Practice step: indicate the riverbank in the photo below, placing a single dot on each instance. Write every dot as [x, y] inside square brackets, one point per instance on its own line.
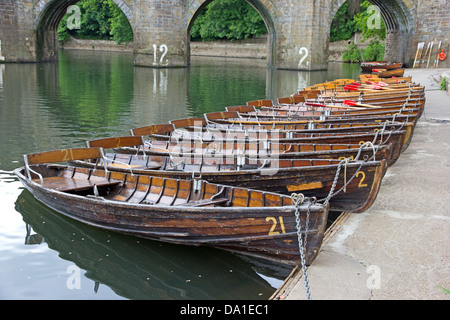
[398, 249]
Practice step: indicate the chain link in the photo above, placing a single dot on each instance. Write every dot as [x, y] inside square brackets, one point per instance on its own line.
[298, 200]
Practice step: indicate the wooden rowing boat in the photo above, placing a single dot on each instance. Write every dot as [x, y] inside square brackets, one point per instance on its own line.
[135, 144]
[282, 141]
[144, 270]
[369, 65]
[390, 73]
[184, 211]
[318, 114]
[283, 175]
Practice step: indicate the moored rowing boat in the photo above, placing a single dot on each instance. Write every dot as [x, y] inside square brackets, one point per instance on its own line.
[190, 212]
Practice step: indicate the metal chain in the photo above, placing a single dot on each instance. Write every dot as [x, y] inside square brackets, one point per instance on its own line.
[297, 200]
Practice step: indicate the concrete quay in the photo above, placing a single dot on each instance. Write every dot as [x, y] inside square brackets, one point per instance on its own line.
[398, 249]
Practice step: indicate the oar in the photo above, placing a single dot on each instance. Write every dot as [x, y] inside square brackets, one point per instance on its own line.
[429, 54]
[354, 103]
[329, 106]
[425, 56]
[436, 62]
[356, 88]
[375, 88]
[418, 54]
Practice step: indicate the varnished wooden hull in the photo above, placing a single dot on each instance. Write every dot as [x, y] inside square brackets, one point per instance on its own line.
[368, 66]
[390, 73]
[396, 139]
[267, 231]
[311, 177]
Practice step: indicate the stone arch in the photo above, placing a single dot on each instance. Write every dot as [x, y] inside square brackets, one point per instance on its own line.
[46, 17]
[399, 17]
[266, 8]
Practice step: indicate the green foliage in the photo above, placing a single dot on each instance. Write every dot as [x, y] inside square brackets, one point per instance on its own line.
[227, 19]
[100, 20]
[120, 26]
[342, 27]
[444, 83]
[352, 54]
[442, 288]
[374, 52]
[63, 32]
[367, 21]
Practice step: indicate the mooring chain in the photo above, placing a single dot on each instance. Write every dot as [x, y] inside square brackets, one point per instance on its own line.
[331, 193]
[298, 199]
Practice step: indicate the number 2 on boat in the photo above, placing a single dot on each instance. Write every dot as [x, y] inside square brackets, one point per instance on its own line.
[361, 184]
[274, 225]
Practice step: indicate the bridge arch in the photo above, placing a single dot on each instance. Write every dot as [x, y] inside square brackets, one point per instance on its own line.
[266, 9]
[399, 18]
[46, 19]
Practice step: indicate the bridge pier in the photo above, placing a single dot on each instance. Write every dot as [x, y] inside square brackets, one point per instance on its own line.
[301, 39]
[160, 33]
[17, 37]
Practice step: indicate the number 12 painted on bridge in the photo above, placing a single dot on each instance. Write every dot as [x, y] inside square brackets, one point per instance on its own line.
[162, 48]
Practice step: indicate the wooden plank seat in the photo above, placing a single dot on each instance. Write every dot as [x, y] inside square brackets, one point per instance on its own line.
[205, 202]
[67, 184]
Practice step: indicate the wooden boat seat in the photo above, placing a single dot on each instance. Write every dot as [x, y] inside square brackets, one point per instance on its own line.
[66, 184]
[205, 202]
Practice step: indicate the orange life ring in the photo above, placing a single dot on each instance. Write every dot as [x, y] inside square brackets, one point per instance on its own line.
[442, 56]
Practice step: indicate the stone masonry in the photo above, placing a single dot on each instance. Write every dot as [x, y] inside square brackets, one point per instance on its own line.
[298, 29]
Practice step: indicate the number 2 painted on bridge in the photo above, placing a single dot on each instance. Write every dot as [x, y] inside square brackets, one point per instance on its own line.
[304, 51]
[162, 48]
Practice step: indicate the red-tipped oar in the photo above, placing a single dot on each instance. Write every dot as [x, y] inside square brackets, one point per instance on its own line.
[356, 88]
[329, 106]
[354, 104]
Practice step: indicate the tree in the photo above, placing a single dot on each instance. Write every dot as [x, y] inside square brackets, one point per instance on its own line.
[228, 19]
[101, 20]
[357, 16]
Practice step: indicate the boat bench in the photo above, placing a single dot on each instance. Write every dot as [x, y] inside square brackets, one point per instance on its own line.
[66, 184]
[205, 202]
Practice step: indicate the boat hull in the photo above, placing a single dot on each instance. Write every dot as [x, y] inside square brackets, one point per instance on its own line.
[264, 232]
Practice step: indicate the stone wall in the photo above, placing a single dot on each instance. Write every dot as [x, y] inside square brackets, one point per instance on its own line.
[250, 48]
[102, 45]
[433, 25]
[16, 36]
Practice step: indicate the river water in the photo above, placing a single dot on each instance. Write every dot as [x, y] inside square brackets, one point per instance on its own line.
[87, 95]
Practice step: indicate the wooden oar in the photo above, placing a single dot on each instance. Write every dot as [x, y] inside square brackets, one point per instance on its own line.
[354, 103]
[436, 62]
[425, 56]
[420, 46]
[329, 106]
[429, 54]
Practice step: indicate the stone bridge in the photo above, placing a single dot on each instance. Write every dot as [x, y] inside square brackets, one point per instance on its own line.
[298, 29]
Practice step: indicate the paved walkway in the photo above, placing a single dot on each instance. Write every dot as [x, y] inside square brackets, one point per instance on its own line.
[399, 249]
